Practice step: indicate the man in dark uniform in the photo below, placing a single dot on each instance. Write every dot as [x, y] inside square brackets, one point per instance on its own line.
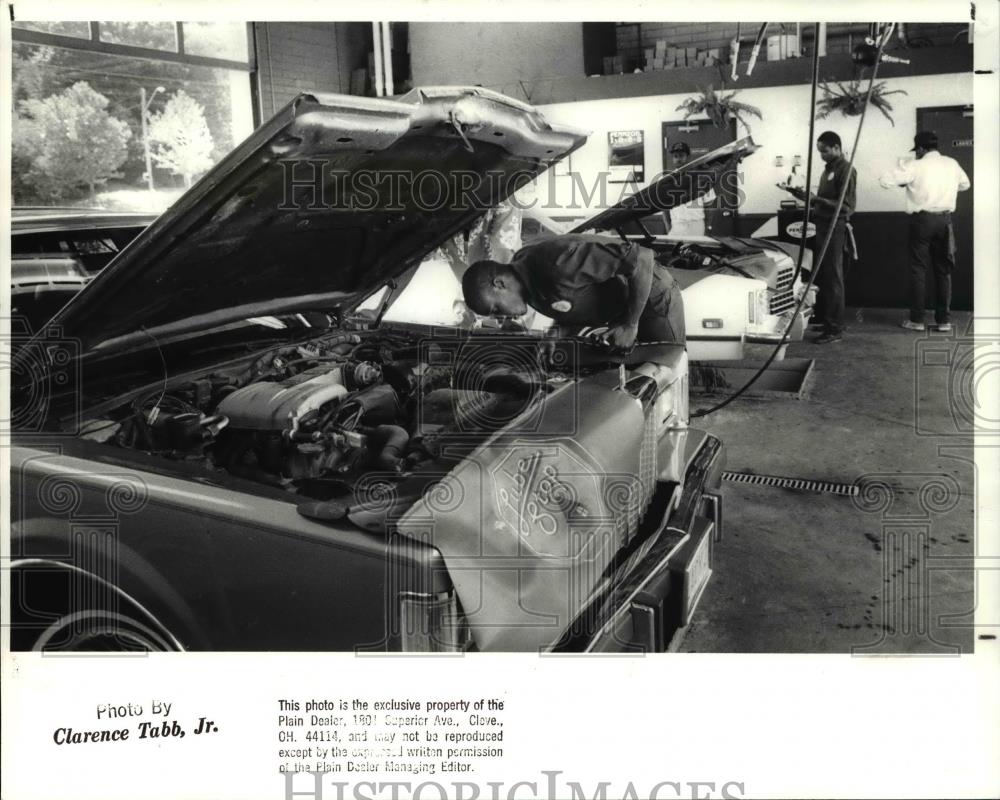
[830, 278]
[583, 280]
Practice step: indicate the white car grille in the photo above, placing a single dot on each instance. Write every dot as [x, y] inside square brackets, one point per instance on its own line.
[641, 491]
[783, 297]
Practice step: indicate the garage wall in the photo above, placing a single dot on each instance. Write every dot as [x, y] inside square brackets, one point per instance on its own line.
[296, 57]
[782, 131]
[840, 36]
[495, 55]
[880, 224]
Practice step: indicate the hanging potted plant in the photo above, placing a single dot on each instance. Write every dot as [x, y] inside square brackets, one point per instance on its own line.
[719, 107]
[849, 99]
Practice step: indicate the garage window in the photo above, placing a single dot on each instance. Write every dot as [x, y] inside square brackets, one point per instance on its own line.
[125, 115]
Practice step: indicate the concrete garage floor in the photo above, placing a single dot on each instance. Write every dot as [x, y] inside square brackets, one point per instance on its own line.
[888, 571]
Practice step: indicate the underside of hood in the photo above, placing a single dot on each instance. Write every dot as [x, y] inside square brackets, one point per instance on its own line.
[712, 171]
[322, 204]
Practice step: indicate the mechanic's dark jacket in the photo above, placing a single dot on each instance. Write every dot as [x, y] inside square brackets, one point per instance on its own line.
[578, 278]
[831, 182]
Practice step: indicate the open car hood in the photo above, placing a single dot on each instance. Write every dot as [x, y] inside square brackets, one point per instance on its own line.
[318, 208]
[674, 188]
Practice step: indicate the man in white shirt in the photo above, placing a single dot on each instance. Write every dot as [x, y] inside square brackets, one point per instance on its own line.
[932, 183]
[687, 219]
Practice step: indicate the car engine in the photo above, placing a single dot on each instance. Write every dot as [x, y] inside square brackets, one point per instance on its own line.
[313, 419]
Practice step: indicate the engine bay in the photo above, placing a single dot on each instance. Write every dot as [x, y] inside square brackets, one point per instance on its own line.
[314, 418]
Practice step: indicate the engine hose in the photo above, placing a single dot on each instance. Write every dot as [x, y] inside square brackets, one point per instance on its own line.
[394, 441]
[818, 261]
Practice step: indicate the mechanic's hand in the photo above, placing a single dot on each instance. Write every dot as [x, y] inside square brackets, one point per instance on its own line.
[547, 347]
[622, 337]
[544, 354]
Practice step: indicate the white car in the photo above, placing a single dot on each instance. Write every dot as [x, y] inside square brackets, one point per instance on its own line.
[736, 290]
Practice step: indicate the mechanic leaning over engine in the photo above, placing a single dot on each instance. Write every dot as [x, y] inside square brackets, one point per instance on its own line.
[583, 280]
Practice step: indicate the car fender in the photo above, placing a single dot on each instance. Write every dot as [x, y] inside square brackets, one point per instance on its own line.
[37, 540]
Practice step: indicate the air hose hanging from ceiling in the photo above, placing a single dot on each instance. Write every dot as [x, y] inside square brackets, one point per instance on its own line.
[818, 261]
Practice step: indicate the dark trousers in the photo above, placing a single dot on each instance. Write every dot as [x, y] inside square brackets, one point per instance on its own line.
[662, 319]
[830, 278]
[932, 244]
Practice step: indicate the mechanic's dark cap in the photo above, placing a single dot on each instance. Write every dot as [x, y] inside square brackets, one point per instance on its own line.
[926, 139]
[680, 147]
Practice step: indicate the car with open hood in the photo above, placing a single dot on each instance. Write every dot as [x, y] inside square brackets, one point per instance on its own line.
[736, 290]
[219, 446]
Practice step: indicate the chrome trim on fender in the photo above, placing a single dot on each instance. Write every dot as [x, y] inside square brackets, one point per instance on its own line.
[164, 630]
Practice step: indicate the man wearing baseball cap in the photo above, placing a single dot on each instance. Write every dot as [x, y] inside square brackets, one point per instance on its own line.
[932, 183]
[687, 219]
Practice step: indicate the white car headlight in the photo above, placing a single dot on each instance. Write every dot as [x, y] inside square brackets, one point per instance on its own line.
[671, 408]
[758, 306]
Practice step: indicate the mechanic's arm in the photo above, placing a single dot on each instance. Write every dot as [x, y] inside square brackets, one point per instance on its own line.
[639, 284]
[825, 202]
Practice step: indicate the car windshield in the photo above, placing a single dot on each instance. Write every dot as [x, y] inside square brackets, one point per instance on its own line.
[432, 292]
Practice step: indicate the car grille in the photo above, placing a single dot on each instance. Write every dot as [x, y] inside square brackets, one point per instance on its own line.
[641, 491]
[783, 297]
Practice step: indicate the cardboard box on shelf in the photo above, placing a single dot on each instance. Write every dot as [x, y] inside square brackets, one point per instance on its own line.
[782, 47]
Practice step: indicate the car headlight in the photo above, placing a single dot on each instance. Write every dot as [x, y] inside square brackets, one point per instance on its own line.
[672, 405]
[670, 409]
[758, 306]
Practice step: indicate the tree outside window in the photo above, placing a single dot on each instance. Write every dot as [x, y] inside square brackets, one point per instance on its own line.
[69, 141]
[180, 139]
[77, 127]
